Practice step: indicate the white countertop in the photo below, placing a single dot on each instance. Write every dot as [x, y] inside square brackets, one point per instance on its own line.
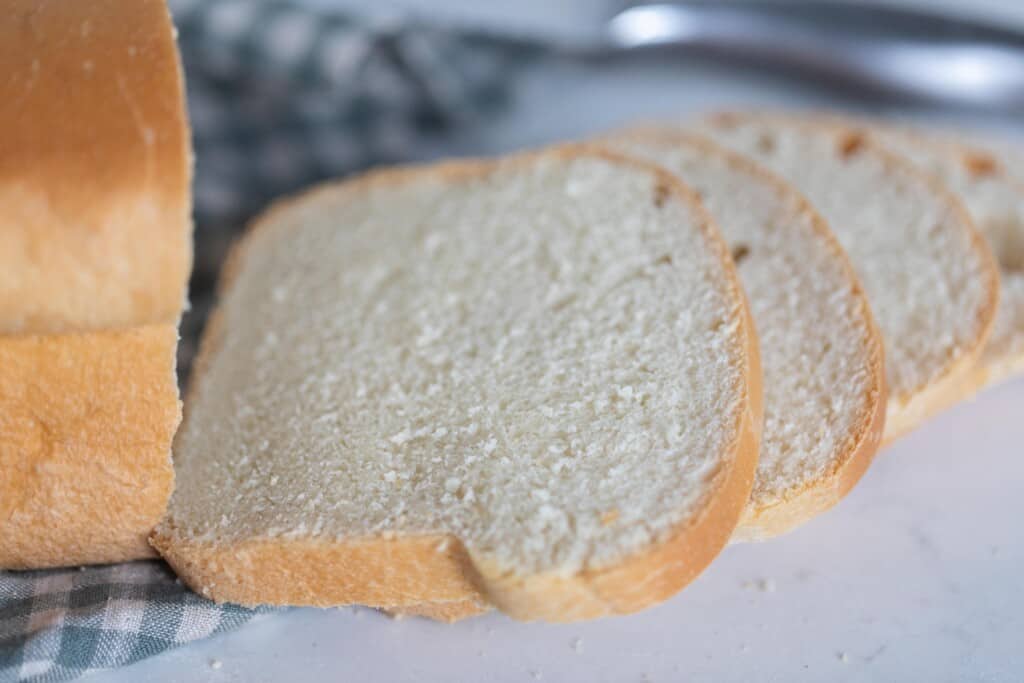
[917, 575]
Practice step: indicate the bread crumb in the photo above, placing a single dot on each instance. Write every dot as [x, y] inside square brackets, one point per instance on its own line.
[609, 516]
[537, 675]
[843, 657]
[766, 585]
[216, 664]
[577, 645]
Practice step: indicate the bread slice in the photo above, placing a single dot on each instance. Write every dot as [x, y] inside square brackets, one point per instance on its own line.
[94, 255]
[929, 275]
[528, 382]
[824, 385]
[995, 200]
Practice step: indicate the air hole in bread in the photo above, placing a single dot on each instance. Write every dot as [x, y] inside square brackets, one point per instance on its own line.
[664, 260]
[766, 143]
[660, 194]
[980, 165]
[851, 145]
[739, 253]
[726, 120]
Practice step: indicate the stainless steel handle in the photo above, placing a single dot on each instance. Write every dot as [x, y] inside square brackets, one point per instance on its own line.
[889, 50]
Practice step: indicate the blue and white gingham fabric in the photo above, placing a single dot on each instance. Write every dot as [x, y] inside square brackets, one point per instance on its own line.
[59, 624]
[279, 97]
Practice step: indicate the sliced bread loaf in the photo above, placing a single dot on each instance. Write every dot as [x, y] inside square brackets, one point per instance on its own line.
[995, 200]
[930, 278]
[95, 246]
[531, 382]
[824, 387]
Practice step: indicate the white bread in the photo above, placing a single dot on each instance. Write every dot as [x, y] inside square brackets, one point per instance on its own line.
[824, 386]
[930, 278]
[995, 200]
[95, 250]
[531, 382]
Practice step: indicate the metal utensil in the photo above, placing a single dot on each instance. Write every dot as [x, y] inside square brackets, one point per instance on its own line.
[888, 51]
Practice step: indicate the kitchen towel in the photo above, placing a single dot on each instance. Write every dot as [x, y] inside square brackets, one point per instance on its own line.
[279, 97]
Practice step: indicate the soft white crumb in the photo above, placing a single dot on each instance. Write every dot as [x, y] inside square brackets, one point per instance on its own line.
[577, 645]
[216, 664]
[766, 585]
[537, 675]
[843, 657]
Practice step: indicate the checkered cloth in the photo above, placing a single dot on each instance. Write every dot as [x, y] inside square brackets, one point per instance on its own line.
[59, 624]
[279, 97]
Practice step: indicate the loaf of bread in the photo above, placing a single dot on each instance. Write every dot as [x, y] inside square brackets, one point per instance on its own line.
[931, 280]
[95, 249]
[531, 383]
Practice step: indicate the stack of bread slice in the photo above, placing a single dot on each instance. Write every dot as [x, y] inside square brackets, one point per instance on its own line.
[556, 383]
[442, 389]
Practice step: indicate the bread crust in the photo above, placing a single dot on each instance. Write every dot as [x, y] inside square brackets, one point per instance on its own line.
[402, 573]
[95, 167]
[448, 612]
[86, 423]
[950, 384]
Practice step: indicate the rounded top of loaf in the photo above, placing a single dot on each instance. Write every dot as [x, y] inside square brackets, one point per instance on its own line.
[94, 169]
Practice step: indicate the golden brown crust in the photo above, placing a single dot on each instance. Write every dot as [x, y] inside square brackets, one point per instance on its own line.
[94, 173]
[404, 572]
[951, 384]
[86, 423]
[448, 612]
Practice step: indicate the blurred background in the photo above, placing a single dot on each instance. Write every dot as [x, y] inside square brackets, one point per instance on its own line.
[283, 94]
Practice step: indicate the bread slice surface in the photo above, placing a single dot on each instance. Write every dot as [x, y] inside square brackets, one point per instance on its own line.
[821, 352]
[931, 280]
[95, 167]
[995, 200]
[530, 381]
